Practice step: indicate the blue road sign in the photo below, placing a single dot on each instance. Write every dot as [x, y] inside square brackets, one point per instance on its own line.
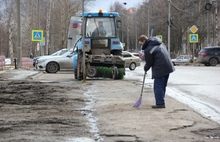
[193, 38]
[37, 35]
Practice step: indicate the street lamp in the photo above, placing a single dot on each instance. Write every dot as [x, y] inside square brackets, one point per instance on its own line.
[19, 54]
[169, 24]
[208, 7]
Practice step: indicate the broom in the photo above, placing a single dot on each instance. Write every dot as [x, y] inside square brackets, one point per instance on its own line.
[138, 103]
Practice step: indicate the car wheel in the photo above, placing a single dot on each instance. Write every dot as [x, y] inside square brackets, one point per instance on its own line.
[213, 61]
[174, 64]
[132, 66]
[52, 67]
[207, 64]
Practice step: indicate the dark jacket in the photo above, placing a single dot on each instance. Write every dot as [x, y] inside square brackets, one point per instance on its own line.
[99, 32]
[157, 57]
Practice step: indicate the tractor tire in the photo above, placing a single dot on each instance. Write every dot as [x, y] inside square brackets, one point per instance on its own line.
[75, 74]
[115, 73]
[92, 72]
[79, 66]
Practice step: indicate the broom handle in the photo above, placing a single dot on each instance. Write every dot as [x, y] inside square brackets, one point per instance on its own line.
[143, 84]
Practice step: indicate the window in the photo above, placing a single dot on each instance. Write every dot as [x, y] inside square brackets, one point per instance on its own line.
[126, 55]
[94, 23]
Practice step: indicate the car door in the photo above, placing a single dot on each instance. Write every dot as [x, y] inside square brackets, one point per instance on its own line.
[127, 58]
[186, 59]
[179, 59]
[217, 53]
[66, 62]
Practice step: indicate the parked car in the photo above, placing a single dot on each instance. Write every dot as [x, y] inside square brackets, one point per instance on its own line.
[209, 56]
[54, 64]
[135, 54]
[131, 61]
[181, 59]
[58, 53]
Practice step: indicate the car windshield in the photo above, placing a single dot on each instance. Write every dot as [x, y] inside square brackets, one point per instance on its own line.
[60, 52]
[67, 53]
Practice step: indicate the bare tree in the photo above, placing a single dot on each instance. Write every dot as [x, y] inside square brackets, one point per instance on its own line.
[10, 22]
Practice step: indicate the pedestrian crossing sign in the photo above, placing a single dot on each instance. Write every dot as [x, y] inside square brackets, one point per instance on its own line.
[193, 38]
[37, 35]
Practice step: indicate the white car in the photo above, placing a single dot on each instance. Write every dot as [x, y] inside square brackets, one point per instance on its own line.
[53, 64]
[131, 61]
[181, 59]
[58, 53]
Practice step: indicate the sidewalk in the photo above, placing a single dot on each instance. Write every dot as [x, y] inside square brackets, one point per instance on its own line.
[119, 120]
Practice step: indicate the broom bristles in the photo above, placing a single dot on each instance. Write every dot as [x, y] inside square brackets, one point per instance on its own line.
[138, 103]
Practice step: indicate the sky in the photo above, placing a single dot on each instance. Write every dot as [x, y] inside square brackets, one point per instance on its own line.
[95, 5]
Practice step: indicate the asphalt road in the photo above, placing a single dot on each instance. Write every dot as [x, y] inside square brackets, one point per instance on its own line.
[55, 107]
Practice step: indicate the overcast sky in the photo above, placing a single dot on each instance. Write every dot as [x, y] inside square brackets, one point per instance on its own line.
[105, 4]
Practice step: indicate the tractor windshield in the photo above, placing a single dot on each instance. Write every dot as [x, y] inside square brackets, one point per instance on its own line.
[100, 27]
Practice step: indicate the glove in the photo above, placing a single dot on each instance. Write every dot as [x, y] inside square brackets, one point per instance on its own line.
[145, 68]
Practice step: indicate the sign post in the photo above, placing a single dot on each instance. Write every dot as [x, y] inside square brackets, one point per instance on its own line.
[193, 38]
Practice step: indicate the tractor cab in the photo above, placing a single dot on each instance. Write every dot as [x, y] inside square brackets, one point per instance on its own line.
[101, 33]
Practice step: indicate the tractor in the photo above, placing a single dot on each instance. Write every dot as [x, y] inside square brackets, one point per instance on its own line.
[102, 47]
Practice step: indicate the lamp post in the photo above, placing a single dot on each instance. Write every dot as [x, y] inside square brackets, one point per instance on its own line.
[83, 37]
[215, 3]
[148, 19]
[19, 54]
[208, 7]
[169, 24]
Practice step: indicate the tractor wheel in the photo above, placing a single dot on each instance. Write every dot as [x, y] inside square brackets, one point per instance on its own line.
[79, 65]
[115, 73]
[75, 74]
[92, 72]
[52, 67]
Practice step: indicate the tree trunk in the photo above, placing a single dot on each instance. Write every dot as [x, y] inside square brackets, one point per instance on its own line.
[49, 4]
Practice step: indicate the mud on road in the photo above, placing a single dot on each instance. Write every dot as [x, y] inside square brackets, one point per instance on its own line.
[41, 111]
[55, 107]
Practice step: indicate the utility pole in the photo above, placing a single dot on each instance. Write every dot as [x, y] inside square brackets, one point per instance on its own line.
[19, 54]
[215, 3]
[169, 24]
[83, 45]
[208, 7]
[148, 19]
[38, 26]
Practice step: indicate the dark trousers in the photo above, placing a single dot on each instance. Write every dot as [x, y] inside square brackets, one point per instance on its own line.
[160, 84]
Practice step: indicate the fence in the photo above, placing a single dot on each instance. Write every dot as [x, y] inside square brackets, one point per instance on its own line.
[26, 62]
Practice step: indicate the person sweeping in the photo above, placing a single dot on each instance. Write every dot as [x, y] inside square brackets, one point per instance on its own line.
[157, 58]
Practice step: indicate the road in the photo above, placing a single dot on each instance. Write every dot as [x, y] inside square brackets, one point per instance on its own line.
[56, 107]
[196, 86]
